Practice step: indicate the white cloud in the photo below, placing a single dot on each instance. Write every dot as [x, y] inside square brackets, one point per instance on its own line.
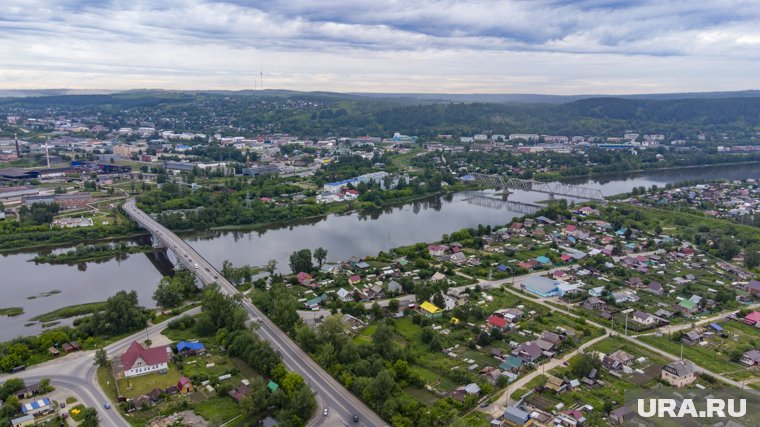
[427, 46]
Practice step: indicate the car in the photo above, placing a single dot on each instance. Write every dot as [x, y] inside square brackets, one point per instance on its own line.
[63, 404]
[485, 405]
[325, 411]
[196, 266]
[356, 418]
[107, 405]
[565, 364]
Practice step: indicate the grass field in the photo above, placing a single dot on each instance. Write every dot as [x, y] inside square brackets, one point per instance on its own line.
[144, 384]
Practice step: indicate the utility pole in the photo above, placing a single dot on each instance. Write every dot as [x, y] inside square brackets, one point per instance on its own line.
[626, 324]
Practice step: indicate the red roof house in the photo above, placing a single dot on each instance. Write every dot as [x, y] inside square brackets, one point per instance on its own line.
[138, 360]
[497, 322]
[752, 318]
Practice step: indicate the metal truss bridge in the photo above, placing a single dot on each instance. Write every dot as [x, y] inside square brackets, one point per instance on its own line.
[492, 202]
[551, 188]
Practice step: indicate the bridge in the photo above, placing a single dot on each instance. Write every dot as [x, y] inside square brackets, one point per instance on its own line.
[493, 202]
[341, 403]
[550, 188]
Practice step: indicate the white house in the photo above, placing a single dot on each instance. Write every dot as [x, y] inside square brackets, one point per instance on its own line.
[138, 360]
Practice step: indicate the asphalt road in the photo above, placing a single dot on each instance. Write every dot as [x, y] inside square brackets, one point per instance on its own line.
[341, 404]
[77, 373]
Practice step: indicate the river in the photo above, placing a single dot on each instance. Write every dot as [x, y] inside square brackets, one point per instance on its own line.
[342, 235]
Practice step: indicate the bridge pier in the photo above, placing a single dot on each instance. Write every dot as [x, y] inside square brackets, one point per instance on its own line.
[157, 243]
[180, 265]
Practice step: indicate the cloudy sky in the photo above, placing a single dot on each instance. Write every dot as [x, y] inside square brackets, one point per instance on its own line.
[499, 46]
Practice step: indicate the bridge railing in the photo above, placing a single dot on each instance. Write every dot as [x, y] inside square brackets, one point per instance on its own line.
[555, 188]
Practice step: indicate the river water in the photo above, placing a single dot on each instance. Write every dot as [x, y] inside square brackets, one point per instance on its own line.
[342, 235]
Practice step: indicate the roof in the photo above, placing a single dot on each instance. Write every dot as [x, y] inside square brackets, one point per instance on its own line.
[754, 316]
[184, 381]
[540, 284]
[687, 304]
[151, 356]
[188, 345]
[273, 386]
[717, 327]
[516, 415]
[682, 368]
[497, 321]
[35, 405]
[472, 388]
[430, 307]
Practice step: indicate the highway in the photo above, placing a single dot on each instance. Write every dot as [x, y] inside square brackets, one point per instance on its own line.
[341, 404]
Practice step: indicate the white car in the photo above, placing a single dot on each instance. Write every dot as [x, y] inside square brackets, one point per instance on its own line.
[325, 411]
[196, 266]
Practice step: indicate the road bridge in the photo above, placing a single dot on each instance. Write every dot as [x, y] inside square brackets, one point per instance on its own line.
[331, 394]
[551, 188]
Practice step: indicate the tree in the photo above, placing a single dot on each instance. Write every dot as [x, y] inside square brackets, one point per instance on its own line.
[101, 358]
[271, 266]
[257, 400]
[89, 418]
[301, 261]
[583, 364]
[320, 255]
[121, 314]
[11, 407]
[167, 295]
[379, 389]
[393, 305]
[377, 311]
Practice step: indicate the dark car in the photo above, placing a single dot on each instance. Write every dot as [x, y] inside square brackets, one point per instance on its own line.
[356, 418]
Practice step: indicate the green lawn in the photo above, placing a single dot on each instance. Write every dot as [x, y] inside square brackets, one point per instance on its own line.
[218, 410]
[107, 383]
[144, 384]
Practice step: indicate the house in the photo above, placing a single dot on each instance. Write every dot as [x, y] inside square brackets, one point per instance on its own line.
[394, 287]
[497, 322]
[23, 421]
[617, 360]
[679, 373]
[596, 292]
[437, 277]
[564, 288]
[458, 258]
[644, 318]
[37, 407]
[430, 310]
[753, 287]
[344, 295]
[687, 306]
[184, 385]
[514, 416]
[593, 303]
[491, 374]
[28, 391]
[752, 318]
[437, 250]
[542, 286]
[303, 278]
[512, 364]
[190, 348]
[528, 352]
[556, 384]
[551, 338]
[625, 296]
[621, 415]
[751, 358]
[237, 394]
[354, 279]
[691, 338]
[655, 288]
[138, 360]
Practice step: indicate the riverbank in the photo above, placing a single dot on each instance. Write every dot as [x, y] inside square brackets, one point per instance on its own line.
[348, 208]
[640, 171]
[70, 311]
[90, 253]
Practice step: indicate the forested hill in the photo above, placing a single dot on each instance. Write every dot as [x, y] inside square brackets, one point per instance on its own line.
[323, 114]
[598, 116]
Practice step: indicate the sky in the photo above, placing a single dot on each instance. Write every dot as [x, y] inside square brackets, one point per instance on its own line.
[420, 46]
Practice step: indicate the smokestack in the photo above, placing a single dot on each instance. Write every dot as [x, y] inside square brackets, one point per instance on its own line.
[47, 155]
[18, 150]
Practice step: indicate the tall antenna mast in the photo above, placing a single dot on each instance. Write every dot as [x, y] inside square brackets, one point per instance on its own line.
[47, 154]
[262, 79]
[18, 150]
